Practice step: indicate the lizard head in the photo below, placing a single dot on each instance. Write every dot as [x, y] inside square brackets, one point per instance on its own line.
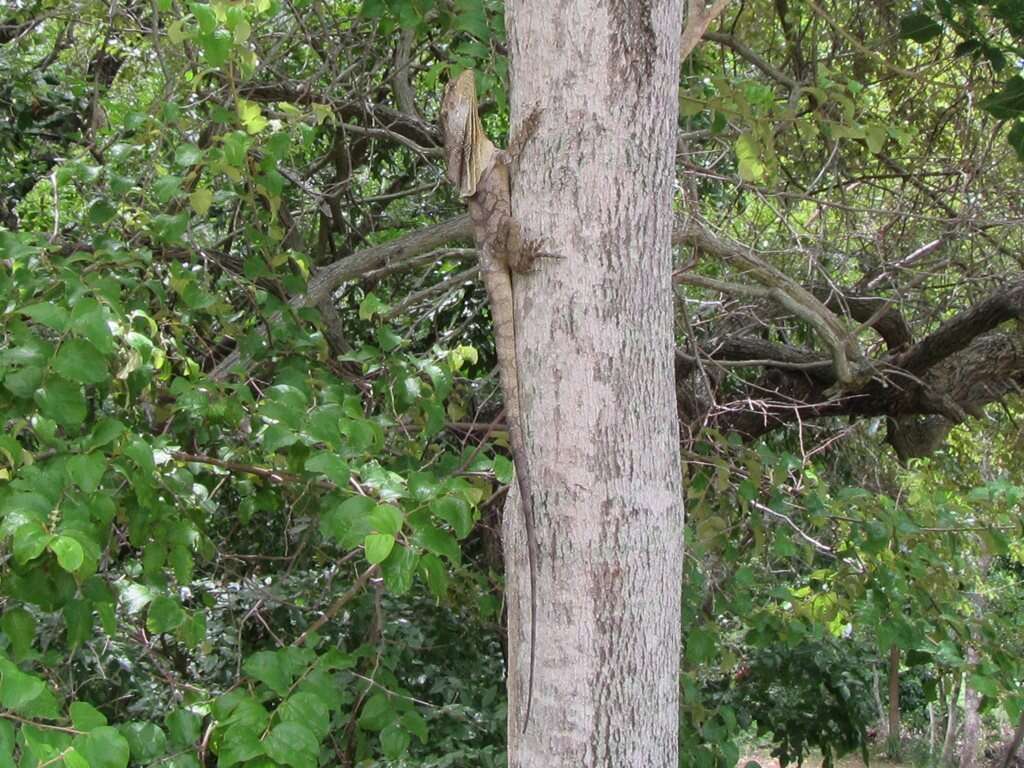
[461, 131]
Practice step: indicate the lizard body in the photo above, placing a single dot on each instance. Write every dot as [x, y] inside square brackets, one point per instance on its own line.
[480, 171]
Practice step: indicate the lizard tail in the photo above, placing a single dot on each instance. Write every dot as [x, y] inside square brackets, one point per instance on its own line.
[514, 417]
[531, 555]
[499, 290]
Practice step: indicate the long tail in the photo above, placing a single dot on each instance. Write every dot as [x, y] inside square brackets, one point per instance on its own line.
[518, 444]
[531, 554]
[499, 289]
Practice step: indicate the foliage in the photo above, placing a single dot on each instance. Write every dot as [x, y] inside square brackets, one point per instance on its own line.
[813, 694]
[247, 514]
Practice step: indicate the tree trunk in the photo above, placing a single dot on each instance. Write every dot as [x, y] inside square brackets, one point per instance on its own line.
[1011, 748]
[972, 717]
[894, 703]
[972, 697]
[954, 706]
[595, 344]
[883, 722]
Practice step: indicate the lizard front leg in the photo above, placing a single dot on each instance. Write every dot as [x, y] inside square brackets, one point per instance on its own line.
[519, 253]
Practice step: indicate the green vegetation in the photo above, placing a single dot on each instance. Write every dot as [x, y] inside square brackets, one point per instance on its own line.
[249, 500]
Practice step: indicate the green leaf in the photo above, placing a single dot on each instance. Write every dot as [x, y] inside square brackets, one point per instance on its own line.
[182, 562]
[370, 306]
[332, 466]
[47, 313]
[105, 431]
[100, 211]
[435, 413]
[85, 716]
[377, 714]
[205, 17]
[200, 200]
[216, 47]
[146, 741]
[89, 320]
[61, 401]
[271, 669]
[250, 116]
[235, 146]
[187, 154]
[7, 742]
[103, 747]
[241, 742]
[309, 710]
[184, 727]
[166, 187]
[394, 741]
[23, 383]
[386, 518]
[456, 512]
[390, 341]
[986, 685]
[748, 153]
[439, 542]
[413, 722]
[69, 553]
[504, 470]
[30, 541]
[139, 451]
[378, 547]
[348, 523]
[169, 229]
[398, 570]
[78, 621]
[1016, 139]
[293, 744]
[436, 575]
[107, 617]
[875, 135]
[1008, 103]
[165, 615]
[86, 470]
[919, 27]
[278, 436]
[700, 644]
[470, 17]
[80, 361]
[373, 9]
[20, 628]
[18, 689]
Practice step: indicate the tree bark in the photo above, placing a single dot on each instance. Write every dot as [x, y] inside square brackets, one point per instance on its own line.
[595, 346]
[954, 706]
[972, 697]
[883, 722]
[1014, 744]
[894, 703]
[972, 717]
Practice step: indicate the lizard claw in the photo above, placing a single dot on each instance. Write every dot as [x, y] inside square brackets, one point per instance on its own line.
[526, 255]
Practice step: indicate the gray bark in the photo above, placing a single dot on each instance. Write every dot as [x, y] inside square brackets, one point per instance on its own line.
[595, 345]
[972, 717]
[893, 736]
[951, 723]
[933, 729]
[883, 718]
[1011, 748]
[972, 697]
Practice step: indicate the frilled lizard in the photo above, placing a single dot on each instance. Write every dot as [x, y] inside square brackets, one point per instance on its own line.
[480, 171]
